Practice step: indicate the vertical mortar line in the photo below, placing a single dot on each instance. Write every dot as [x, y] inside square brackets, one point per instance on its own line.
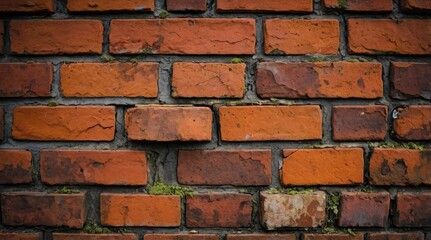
[106, 30]
[61, 6]
[216, 125]
[164, 82]
[6, 38]
[386, 96]
[120, 139]
[159, 5]
[35, 164]
[259, 36]
[326, 122]
[317, 7]
[343, 36]
[56, 91]
[276, 164]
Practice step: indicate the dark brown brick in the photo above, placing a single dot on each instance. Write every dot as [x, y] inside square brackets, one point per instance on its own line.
[416, 6]
[181, 236]
[410, 80]
[20, 236]
[224, 167]
[186, 5]
[333, 236]
[261, 237]
[413, 210]
[360, 209]
[219, 210]
[15, 166]
[413, 122]
[350, 123]
[396, 236]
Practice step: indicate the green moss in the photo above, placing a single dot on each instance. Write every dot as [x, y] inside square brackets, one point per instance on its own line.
[290, 191]
[236, 60]
[163, 14]
[342, 3]
[160, 188]
[329, 230]
[134, 61]
[107, 59]
[90, 227]
[277, 52]
[52, 104]
[319, 59]
[368, 189]
[334, 203]
[405, 145]
[147, 50]
[360, 59]
[66, 190]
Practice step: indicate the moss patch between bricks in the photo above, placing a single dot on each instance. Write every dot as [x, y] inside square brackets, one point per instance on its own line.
[160, 188]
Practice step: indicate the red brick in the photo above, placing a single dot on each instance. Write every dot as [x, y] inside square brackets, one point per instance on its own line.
[187, 5]
[110, 5]
[84, 236]
[15, 166]
[413, 123]
[2, 124]
[219, 210]
[43, 37]
[361, 5]
[183, 36]
[43, 209]
[160, 123]
[300, 36]
[319, 80]
[208, 80]
[298, 210]
[110, 79]
[21, 236]
[360, 209]
[350, 123]
[383, 36]
[44, 6]
[302, 6]
[25, 79]
[261, 237]
[224, 167]
[330, 166]
[86, 123]
[93, 167]
[413, 209]
[410, 80]
[400, 167]
[396, 236]
[264, 123]
[416, 6]
[333, 236]
[181, 237]
[140, 210]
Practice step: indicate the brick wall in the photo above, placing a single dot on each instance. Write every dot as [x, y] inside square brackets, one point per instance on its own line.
[215, 119]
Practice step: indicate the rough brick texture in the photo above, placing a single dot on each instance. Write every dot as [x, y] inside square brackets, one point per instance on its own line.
[261, 237]
[200, 167]
[44, 6]
[396, 236]
[413, 209]
[381, 36]
[350, 123]
[91, 123]
[272, 6]
[319, 80]
[299, 210]
[339, 166]
[208, 80]
[360, 5]
[15, 166]
[263, 123]
[83, 236]
[183, 36]
[410, 80]
[43, 37]
[186, 5]
[110, 5]
[293, 36]
[21, 236]
[333, 236]
[364, 209]
[159, 123]
[400, 167]
[93, 167]
[413, 123]
[219, 210]
[25, 79]
[140, 210]
[181, 237]
[416, 6]
[43, 209]
[110, 80]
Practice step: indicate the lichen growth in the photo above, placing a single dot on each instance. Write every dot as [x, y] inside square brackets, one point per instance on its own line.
[396, 145]
[107, 59]
[359, 59]
[147, 50]
[134, 61]
[163, 14]
[368, 189]
[236, 60]
[52, 104]
[334, 203]
[342, 3]
[290, 191]
[277, 52]
[160, 188]
[66, 190]
[90, 227]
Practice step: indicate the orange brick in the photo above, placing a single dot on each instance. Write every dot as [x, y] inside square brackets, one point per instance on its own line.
[44, 6]
[110, 5]
[382, 36]
[93, 167]
[299, 36]
[21, 236]
[400, 167]
[264, 123]
[186, 5]
[416, 6]
[269, 6]
[330, 166]
[90, 123]
[43, 209]
[361, 5]
[181, 237]
[110, 79]
[159, 123]
[319, 80]
[183, 36]
[43, 37]
[25, 79]
[208, 80]
[15, 166]
[413, 123]
[84, 236]
[140, 210]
